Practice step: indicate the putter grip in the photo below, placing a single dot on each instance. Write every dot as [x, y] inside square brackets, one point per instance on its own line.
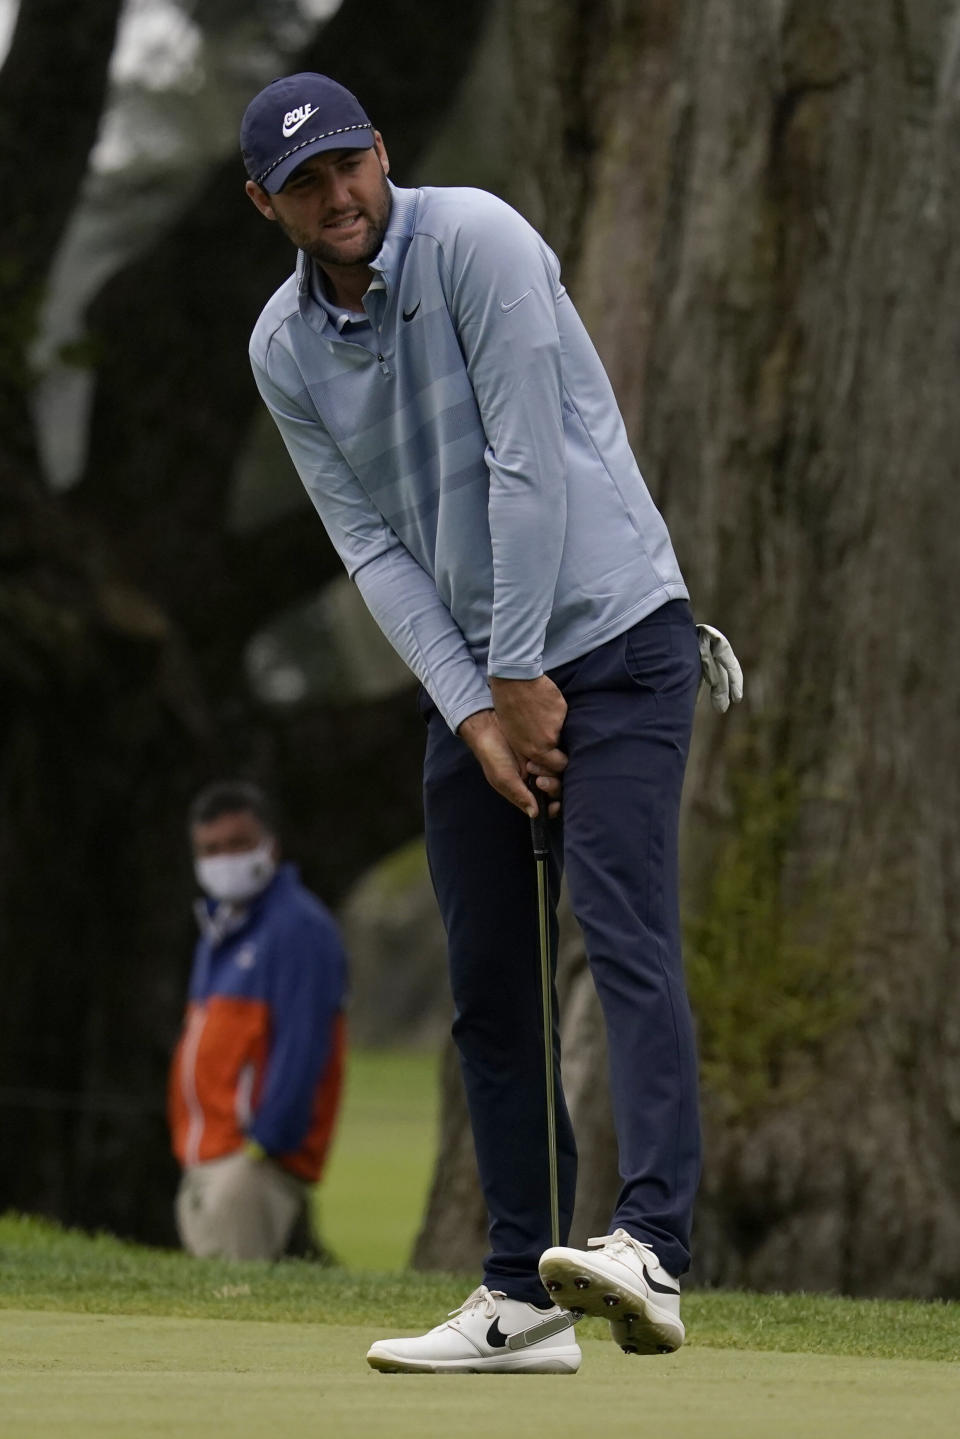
[539, 831]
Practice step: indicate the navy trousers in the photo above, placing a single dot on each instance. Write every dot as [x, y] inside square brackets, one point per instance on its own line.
[630, 712]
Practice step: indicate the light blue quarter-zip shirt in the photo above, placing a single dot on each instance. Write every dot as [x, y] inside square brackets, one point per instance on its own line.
[470, 464]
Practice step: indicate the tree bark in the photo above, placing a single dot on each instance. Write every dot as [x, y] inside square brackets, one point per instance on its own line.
[757, 208]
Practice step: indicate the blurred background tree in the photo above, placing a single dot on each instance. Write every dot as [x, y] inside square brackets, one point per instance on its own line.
[130, 600]
[756, 207]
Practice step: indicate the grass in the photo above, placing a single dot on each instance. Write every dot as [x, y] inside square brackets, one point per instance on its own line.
[46, 1268]
[372, 1199]
[108, 1340]
[105, 1377]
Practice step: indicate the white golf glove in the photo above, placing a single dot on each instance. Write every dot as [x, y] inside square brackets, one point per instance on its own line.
[720, 667]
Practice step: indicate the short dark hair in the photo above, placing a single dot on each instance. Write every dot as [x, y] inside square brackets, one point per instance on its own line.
[232, 796]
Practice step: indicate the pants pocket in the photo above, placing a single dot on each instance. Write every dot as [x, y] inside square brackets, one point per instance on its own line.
[660, 654]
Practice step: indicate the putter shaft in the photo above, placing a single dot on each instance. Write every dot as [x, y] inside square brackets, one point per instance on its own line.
[546, 990]
[541, 851]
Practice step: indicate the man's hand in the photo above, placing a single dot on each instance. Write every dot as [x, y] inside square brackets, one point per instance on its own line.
[531, 715]
[720, 667]
[502, 769]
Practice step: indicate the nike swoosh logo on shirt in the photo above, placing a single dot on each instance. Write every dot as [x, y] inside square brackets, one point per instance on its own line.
[409, 314]
[508, 305]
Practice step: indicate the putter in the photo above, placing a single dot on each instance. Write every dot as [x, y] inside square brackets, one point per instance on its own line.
[539, 834]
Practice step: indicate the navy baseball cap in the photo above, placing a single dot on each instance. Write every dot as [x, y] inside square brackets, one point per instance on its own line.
[294, 118]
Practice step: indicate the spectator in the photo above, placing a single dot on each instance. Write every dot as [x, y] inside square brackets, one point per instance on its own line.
[256, 1077]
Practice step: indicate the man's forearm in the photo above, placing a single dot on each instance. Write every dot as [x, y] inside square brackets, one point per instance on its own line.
[403, 600]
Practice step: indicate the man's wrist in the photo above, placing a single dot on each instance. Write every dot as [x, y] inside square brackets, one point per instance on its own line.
[474, 723]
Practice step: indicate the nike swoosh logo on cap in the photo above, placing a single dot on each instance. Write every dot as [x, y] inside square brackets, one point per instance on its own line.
[508, 305]
[289, 130]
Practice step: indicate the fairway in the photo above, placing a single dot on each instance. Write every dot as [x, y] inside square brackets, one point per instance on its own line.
[170, 1346]
[108, 1377]
[104, 1340]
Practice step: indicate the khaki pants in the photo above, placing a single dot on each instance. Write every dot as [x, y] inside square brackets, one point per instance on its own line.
[238, 1208]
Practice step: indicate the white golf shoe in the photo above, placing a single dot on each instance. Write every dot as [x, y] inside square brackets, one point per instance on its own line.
[488, 1334]
[622, 1280]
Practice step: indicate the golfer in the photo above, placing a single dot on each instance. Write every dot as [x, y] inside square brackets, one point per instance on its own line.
[456, 431]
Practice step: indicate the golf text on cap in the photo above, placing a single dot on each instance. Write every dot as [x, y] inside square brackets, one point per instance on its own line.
[293, 119]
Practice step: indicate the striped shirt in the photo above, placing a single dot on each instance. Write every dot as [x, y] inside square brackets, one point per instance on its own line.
[466, 455]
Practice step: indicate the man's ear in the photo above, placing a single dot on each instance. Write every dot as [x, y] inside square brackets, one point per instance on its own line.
[381, 150]
[261, 199]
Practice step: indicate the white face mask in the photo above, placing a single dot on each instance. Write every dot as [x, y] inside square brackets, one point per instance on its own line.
[236, 878]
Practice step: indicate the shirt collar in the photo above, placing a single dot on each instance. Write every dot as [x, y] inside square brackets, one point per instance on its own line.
[339, 317]
[403, 215]
[218, 921]
[387, 264]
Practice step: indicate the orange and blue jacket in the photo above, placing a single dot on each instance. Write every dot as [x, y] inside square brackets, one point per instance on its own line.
[262, 1049]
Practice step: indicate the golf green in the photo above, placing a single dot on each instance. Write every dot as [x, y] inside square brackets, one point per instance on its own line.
[99, 1376]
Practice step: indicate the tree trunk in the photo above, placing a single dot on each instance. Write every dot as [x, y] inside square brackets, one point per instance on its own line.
[757, 208]
[42, 163]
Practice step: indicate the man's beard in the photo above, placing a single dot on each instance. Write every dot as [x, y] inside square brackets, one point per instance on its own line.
[330, 254]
